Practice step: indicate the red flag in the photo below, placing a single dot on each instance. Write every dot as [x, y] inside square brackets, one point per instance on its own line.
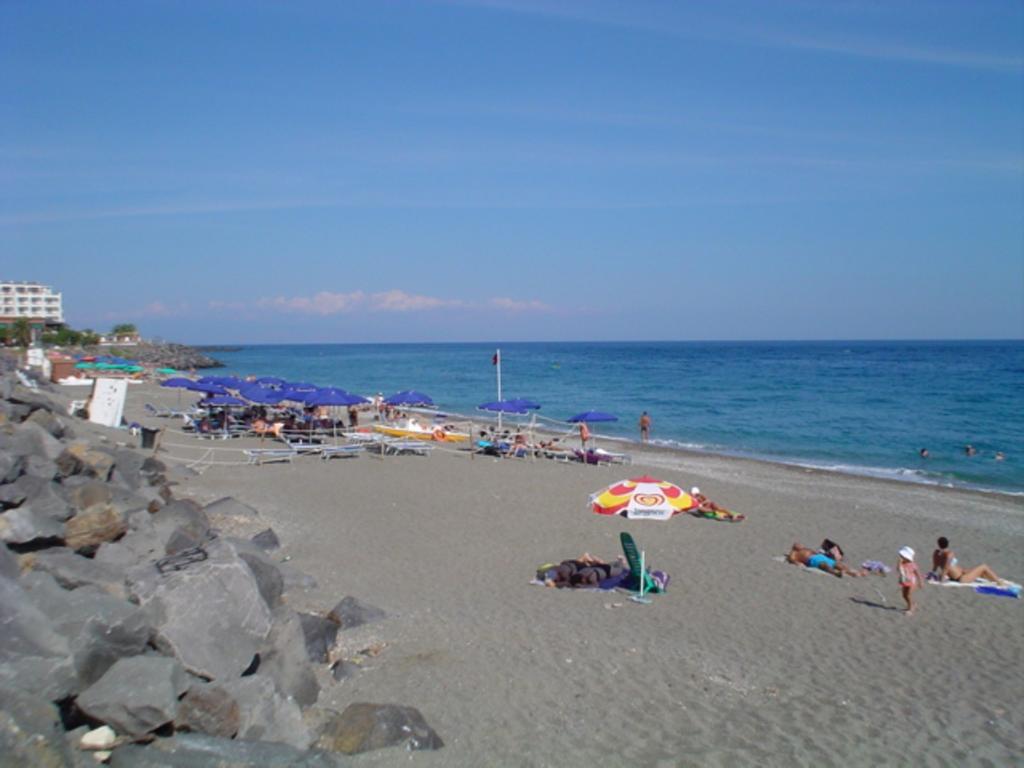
[494, 360]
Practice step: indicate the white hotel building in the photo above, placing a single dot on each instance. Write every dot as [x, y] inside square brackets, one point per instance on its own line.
[33, 301]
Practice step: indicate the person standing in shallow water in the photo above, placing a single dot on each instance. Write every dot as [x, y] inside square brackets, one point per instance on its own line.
[645, 427]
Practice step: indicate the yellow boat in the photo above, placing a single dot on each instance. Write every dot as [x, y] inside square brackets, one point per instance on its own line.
[416, 431]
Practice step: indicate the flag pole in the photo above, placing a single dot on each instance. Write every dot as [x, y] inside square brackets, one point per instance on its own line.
[497, 358]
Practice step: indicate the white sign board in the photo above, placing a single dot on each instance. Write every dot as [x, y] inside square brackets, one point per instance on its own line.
[106, 406]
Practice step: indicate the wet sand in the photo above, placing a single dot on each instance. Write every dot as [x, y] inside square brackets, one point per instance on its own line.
[745, 660]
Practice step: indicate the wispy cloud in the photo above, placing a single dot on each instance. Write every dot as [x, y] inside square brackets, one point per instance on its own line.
[653, 19]
[325, 303]
[155, 308]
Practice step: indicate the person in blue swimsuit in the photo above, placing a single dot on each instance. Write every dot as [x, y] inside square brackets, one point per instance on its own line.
[801, 555]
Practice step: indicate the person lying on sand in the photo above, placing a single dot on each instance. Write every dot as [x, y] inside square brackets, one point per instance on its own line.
[945, 567]
[584, 571]
[805, 556]
[707, 508]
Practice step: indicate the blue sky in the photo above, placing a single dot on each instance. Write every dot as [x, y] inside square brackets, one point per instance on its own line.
[432, 170]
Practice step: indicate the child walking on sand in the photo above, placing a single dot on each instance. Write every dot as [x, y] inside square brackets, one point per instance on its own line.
[910, 577]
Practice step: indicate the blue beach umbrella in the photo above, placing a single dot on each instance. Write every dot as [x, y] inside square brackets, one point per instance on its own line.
[262, 396]
[592, 416]
[179, 382]
[210, 389]
[526, 403]
[223, 400]
[409, 397]
[299, 386]
[270, 381]
[503, 406]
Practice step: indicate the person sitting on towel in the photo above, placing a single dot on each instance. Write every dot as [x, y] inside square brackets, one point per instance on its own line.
[945, 566]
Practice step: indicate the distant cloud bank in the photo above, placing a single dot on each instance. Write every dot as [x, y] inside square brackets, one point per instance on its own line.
[326, 303]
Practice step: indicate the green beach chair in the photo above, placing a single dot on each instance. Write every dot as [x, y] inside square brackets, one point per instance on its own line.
[637, 567]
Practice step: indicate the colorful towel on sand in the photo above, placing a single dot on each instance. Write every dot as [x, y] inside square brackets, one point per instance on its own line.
[876, 566]
[981, 586]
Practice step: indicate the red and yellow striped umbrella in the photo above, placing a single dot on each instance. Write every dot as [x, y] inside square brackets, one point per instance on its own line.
[642, 498]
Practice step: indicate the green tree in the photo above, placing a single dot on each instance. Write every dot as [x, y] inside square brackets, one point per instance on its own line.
[124, 329]
[22, 332]
[89, 337]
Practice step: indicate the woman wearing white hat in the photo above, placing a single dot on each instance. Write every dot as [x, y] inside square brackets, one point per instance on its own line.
[910, 577]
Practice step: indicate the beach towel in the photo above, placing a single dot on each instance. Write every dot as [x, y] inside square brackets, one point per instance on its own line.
[981, 586]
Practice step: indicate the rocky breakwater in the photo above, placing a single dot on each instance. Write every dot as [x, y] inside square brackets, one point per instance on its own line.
[163, 354]
[134, 631]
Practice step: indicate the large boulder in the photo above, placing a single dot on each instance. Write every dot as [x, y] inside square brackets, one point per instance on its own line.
[100, 628]
[350, 613]
[72, 570]
[34, 657]
[9, 567]
[48, 421]
[266, 715]
[320, 634]
[283, 659]
[266, 540]
[98, 524]
[136, 695]
[184, 514]
[30, 439]
[41, 467]
[193, 750]
[208, 708]
[84, 492]
[30, 732]
[139, 545]
[25, 525]
[362, 727]
[209, 614]
[90, 459]
[267, 574]
[231, 508]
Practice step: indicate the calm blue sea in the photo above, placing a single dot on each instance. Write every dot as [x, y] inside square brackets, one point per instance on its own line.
[862, 407]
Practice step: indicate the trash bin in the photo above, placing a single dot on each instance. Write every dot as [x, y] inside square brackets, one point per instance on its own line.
[149, 437]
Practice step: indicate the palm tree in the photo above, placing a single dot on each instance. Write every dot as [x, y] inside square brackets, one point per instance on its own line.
[22, 332]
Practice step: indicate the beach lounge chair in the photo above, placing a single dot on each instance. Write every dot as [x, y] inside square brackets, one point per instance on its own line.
[268, 455]
[403, 447]
[303, 447]
[162, 412]
[333, 451]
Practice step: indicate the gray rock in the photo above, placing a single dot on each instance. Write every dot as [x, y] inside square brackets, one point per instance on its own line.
[48, 421]
[98, 524]
[45, 497]
[351, 613]
[100, 628]
[363, 727]
[84, 492]
[209, 709]
[181, 539]
[24, 525]
[30, 732]
[210, 614]
[41, 467]
[9, 567]
[91, 459]
[72, 570]
[139, 545]
[268, 576]
[266, 715]
[10, 466]
[193, 750]
[34, 657]
[266, 540]
[320, 634]
[30, 439]
[182, 513]
[136, 695]
[342, 670]
[230, 507]
[128, 468]
[284, 660]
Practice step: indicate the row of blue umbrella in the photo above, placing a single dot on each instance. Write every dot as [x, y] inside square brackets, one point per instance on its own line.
[270, 390]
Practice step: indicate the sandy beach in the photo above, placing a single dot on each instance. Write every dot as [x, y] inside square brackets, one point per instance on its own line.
[745, 660]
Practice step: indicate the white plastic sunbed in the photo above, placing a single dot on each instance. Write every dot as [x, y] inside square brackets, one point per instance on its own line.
[331, 451]
[268, 455]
